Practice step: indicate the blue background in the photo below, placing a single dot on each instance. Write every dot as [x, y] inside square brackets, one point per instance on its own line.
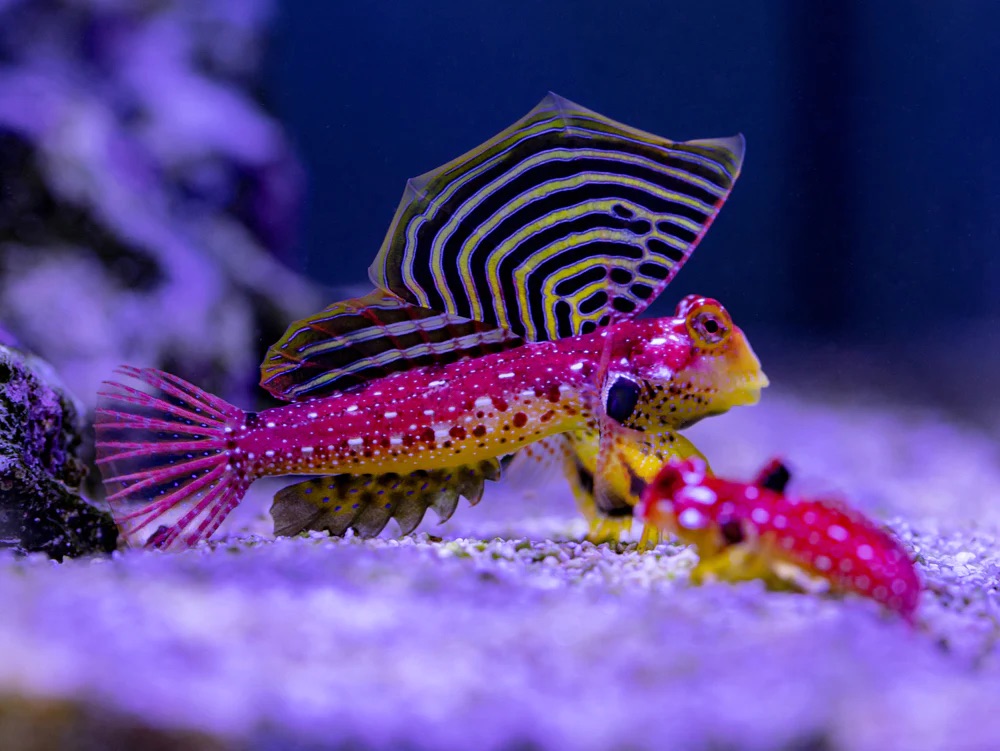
[868, 201]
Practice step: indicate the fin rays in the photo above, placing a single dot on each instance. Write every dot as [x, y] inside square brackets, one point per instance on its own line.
[366, 503]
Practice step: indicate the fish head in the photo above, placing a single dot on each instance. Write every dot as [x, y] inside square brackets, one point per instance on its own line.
[669, 373]
[681, 501]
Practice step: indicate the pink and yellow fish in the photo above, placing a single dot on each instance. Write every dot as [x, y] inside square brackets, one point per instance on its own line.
[504, 313]
[754, 530]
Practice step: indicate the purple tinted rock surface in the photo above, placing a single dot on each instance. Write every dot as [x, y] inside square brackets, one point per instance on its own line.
[41, 508]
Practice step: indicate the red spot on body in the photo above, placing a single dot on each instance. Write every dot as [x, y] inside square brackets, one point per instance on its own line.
[479, 431]
[553, 394]
[500, 403]
[520, 420]
[547, 416]
[457, 432]
[408, 440]
[427, 435]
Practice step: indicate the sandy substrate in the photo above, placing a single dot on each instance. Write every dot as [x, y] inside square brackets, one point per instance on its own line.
[510, 633]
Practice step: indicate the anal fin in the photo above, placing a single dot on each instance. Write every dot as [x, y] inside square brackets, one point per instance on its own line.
[366, 503]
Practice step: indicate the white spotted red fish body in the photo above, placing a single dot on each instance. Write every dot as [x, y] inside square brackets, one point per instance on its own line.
[431, 417]
[155, 448]
[826, 539]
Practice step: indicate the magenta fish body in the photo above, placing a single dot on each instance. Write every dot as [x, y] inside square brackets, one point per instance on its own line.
[181, 444]
[756, 525]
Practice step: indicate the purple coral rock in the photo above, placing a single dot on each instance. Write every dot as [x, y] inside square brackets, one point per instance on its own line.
[146, 194]
[40, 472]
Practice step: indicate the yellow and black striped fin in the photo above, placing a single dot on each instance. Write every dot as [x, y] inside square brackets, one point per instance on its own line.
[366, 503]
[368, 337]
[563, 222]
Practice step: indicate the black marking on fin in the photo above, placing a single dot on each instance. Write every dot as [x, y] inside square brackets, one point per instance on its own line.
[621, 399]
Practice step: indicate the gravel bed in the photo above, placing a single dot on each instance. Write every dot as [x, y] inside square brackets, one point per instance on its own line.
[504, 631]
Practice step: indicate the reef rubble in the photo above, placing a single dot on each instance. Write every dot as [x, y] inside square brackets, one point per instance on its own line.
[42, 508]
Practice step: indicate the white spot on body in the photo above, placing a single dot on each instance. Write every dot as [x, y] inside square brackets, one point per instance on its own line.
[435, 384]
[822, 563]
[751, 493]
[898, 586]
[270, 424]
[389, 415]
[692, 478]
[780, 522]
[484, 401]
[429, 412]
[657, 341]
[699, 494]
[312, 415]
[865, 552]
[837, 532]
[576, 366]
[269, 453]
[307, 449]
[355, 441]
[760, 515]
[506, 375]
[691, 518]
[352, 408]
[395, 440]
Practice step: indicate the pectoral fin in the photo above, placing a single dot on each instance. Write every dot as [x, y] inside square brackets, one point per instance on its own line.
[634, 461]
[366, 503]
[641, 457]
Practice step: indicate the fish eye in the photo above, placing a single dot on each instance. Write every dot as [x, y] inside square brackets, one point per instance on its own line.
[708, 325]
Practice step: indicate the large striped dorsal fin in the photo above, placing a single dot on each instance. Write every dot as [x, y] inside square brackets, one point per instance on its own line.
[357, 340]
[563, 222]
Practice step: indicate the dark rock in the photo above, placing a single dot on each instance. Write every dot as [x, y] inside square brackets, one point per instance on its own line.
[41, 508]
[37, 724]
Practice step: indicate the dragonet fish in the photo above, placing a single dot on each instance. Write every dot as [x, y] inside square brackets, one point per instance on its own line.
[758, 531]
[504, 313]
